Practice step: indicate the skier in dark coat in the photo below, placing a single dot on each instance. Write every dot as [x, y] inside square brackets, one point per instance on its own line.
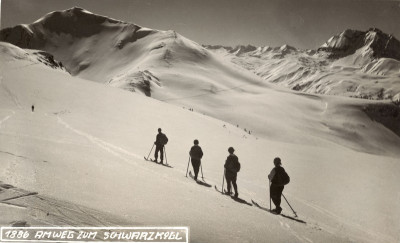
[276, 187]
[232, 167]
[195, 156]
[161, 140]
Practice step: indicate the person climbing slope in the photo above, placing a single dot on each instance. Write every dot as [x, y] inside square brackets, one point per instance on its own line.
[195, 156]
[232, 167]
[161, 141]
[278, 178]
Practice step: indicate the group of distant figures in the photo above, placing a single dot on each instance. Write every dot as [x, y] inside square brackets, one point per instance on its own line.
[278, 177]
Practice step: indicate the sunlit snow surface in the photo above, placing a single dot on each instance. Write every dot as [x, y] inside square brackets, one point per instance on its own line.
[84, 144]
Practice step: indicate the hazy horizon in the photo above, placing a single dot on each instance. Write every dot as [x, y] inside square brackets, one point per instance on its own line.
[303, 24]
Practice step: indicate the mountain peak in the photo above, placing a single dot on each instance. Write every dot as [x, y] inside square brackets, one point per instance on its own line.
[76, 8]
[378, 43]
[75, 22]
[286, 48]
[76, 16]
[240, 49]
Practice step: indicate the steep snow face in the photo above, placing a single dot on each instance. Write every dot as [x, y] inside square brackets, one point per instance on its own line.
[346, 42]
[354, 63]
[92, 139]
[379, 44]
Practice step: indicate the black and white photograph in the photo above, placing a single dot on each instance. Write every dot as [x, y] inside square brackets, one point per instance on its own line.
[200, 121]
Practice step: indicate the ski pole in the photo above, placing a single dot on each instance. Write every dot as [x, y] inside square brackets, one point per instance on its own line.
[165, 153]
[188, 166]
[150, 152]
[289, 205]
[269, 187]
[223, 181]
[201, 167]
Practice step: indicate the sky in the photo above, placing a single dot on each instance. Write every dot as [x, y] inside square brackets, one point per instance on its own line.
[304, 24]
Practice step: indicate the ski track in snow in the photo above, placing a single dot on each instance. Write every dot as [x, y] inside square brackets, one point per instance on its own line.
[6, 118]
[364, 234]
[326, 107]
[286, 227]
[345, 221]
[10, 94]
[206, 94]
[122, 153]
[115, 150]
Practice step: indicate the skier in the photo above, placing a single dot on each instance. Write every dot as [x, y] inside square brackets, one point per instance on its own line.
[161, 140]
[195, 156]
[33, 108]
[277, 184]
[232, 167]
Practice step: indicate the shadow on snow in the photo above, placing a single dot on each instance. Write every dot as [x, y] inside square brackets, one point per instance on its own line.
[283, 215]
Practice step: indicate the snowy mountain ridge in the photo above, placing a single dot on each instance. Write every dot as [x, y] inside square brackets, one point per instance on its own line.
[354, 63]
[373, 42]
[121, 54]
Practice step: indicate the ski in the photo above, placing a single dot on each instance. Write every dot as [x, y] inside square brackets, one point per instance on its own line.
[223, 193]
[202, 183]
[281, 214]
[217, 189]
[150, 160]
[191, 176]
[236, 199]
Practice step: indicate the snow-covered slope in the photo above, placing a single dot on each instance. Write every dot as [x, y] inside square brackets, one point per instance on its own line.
[125, 55]
[341, 153]
[353, 63]
[85, 142]
[171, 68]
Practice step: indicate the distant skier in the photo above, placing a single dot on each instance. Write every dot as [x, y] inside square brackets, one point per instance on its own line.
[232, 167]
[195, 156]
[161, 141]
[33, 108]
[278, 179]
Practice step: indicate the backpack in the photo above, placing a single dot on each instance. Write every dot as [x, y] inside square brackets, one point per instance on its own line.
[236, 166]
[163, 139]
[282, 178]
[232, 164]
[196, 152]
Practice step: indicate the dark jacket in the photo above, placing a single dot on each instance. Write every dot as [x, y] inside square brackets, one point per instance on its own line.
[275, 174]
[232, 164]
[196, 152]
[161, 139]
